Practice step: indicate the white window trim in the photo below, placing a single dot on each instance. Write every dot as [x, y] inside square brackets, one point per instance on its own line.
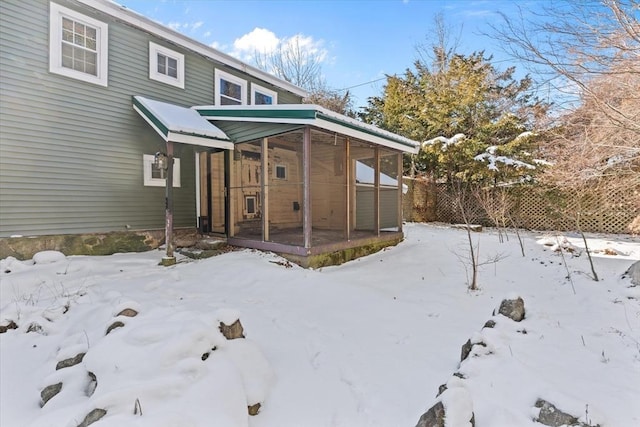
[218, 75]
[56, 14]
[257, 88]
[147, 161]
[275, 172]
[246, 205]
[154, 50]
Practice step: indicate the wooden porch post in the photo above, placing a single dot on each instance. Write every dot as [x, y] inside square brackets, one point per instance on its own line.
[232, 192]
[376, 190]
[400, 184]
[306, 186]
[347, 178]
[169, 259]
[264, 188]
[228, 226]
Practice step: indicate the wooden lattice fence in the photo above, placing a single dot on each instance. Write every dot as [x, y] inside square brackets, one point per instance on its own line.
[535, 208]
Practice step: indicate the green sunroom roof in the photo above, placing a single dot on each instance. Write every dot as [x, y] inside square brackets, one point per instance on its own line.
[306, 114]
[179, 124]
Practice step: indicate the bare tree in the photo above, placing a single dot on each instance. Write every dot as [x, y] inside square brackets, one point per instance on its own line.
[340, 102]
[441, 43]
[466, 204]
[495, 203]
[498, 204]
[591, 50]
[571, 43]
[593, 156]
[463, 196]
[293, 62]
[589, 144]
[296, 62]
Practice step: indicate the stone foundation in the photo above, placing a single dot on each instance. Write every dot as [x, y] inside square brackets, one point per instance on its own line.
[340, 256]
[24, 248]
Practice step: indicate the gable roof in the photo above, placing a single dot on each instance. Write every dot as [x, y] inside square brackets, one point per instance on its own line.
[304, 114]
[140, 21]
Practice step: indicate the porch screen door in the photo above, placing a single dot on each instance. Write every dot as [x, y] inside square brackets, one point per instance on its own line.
[211, 218]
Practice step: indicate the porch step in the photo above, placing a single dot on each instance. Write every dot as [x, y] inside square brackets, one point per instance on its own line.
[206, 248]
[206, 244]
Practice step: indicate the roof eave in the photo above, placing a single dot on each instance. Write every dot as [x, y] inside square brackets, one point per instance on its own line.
[380, 136]
[133, 18]
[309, 114]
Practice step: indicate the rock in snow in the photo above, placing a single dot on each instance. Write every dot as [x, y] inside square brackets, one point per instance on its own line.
[513, 309]
[553, 417]
[634, 273]
[48, 257]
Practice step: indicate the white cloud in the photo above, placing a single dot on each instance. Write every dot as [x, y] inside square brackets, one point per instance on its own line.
[264, 41]
[307, 44]
[258, 40]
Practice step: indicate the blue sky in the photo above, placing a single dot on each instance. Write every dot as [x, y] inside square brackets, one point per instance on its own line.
[360, 40]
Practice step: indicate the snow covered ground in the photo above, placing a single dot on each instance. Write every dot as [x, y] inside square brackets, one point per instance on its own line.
[362, 344]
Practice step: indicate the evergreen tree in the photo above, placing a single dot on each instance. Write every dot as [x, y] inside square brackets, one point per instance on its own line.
[461, 94]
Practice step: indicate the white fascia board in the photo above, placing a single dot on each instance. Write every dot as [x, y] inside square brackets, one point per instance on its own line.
[198, 140]
[186, 138]
[364, 136]
[348, 120]
[137, 20]
[179, 119]
[261, 120]
[146, 119]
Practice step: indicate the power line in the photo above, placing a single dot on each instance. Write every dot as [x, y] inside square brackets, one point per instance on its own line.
[361, 84]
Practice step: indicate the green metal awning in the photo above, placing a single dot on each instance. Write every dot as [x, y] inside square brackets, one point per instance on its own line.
[179, 124]
[276, 118]
[250, 131]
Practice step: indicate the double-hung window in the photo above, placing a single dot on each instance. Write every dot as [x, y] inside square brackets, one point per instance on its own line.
[166, 65]
[229, 89]
[263, 96]
[77, 45]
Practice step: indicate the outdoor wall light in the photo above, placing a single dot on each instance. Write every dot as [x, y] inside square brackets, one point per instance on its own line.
[160, 161]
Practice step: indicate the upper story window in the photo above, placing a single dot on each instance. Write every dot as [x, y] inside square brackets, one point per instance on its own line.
[77, 45]
[263, 96]
[229, 89]
[166, 65]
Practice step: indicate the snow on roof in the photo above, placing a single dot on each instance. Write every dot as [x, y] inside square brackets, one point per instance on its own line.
[310, 114]
[168, 119]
